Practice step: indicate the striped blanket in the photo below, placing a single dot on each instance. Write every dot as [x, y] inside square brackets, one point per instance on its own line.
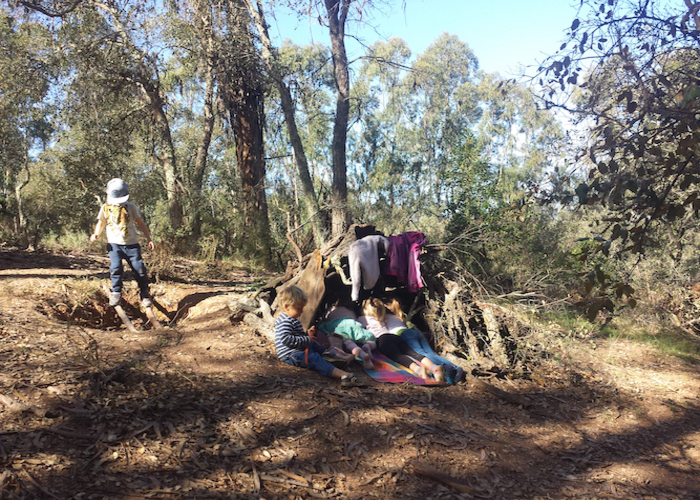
[388, 371]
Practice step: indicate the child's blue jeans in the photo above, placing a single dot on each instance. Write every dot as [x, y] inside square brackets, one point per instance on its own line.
[132, 253]
[316, 362]
[417, 342]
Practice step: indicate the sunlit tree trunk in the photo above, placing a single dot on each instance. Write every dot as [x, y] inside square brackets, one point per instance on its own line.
[205, 28]
[337, 14]
[269, 57]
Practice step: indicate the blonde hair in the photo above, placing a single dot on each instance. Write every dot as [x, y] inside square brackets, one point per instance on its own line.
[291, 296]
[375, 308]
[394, 306]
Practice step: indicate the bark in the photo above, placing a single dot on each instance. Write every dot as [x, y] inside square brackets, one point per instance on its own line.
[243, 95]
[167, 156]
[21, 218]
[246, 116]
[272, 64]
[337, 14]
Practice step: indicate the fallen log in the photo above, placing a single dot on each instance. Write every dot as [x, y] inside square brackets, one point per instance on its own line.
[472, 333]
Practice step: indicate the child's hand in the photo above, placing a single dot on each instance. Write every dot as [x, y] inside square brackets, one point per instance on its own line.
[151, 245]
[93, 237]
[312, 331]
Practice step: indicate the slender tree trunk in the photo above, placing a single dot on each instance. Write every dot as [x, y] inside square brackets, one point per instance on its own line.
[270, 59]
[21, 219]
[200, 164]
[337, 15]
[167, 154]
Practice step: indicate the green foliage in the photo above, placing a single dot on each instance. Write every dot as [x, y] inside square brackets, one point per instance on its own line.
[639, 108]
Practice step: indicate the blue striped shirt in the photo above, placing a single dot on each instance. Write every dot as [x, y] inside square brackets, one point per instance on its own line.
[290, 338]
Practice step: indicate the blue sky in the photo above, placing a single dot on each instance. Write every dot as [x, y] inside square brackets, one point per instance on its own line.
[503, 34]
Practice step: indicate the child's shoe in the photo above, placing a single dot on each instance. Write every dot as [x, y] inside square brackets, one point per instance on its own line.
[114, 298]
[350, 381]
[449, 374]
[459, 374]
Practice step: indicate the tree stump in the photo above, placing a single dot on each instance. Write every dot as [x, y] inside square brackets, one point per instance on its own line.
[474, 334]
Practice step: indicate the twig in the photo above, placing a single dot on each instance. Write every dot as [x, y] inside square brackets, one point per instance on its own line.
[427, 471]
[35, 483]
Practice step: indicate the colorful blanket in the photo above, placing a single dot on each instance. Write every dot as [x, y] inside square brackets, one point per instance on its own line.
[388, 371]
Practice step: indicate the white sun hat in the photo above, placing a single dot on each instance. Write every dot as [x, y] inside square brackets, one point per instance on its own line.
[117, 192]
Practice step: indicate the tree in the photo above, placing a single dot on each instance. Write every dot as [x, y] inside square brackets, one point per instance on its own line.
[24, 119]
[242, 91]
[628, 70]
[192, 27]
[337, 12]
[271, 60]
[133, 60]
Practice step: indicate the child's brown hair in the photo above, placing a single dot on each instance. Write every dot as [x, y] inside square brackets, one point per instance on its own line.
[376, 309]
[293, 296]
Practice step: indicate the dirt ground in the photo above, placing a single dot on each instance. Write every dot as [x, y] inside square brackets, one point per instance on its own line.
[203, 409]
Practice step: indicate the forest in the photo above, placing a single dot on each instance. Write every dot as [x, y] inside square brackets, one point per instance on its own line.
[567, 197]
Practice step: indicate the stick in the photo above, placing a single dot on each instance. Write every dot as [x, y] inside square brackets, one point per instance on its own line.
[125, 319]
[152, 318]
[427, 471]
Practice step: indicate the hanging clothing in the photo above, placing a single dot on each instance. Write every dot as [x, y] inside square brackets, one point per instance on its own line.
[363, 258]
[402, 259]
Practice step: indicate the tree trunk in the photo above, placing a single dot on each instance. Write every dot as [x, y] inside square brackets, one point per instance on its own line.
[167, 154]
[245, 104]
[205, 28]
[270, 59]
[337, 15]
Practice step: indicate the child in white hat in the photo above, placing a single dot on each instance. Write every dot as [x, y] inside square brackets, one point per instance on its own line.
[121, 217]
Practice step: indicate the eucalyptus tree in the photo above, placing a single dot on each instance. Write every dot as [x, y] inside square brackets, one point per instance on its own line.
[420, 115]
[242, 90]
[272, 62]
[193, 27]
[307, 73]
[336, 16]
[629, 71]
[382, 147]
[118, 43]
[27, 67]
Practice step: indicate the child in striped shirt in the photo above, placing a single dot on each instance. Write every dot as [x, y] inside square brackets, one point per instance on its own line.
[292, 343]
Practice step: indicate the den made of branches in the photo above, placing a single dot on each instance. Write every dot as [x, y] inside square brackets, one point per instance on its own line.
[479, 336]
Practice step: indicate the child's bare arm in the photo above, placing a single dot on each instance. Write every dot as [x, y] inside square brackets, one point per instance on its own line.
[98, 229]
[144, 229]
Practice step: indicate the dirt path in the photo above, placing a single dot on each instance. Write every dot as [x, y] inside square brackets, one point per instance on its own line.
[204, 410]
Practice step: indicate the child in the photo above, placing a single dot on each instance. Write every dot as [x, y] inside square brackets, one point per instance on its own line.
[341, 323]
[121, 217]
[375, 320]
[415, 340]
[295, 347]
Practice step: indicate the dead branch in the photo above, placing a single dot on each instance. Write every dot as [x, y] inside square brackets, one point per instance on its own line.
[432, 473]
